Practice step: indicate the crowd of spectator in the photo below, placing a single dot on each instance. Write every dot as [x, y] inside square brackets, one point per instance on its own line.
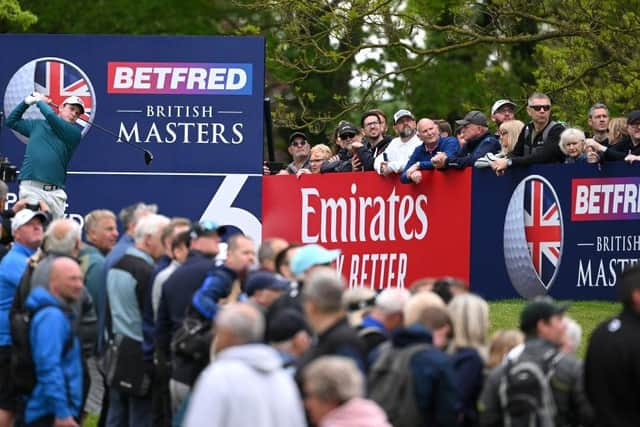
[424, 144]
[156, 328]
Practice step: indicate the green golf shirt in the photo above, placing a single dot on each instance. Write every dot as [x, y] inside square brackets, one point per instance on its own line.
[51, 144]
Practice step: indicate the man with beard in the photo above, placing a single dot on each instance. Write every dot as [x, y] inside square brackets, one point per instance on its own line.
[397, 154]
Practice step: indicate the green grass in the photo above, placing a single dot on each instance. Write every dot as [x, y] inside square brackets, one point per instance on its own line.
[506, 314]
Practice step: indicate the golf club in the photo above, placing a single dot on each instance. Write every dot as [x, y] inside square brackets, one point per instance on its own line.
[148, 155]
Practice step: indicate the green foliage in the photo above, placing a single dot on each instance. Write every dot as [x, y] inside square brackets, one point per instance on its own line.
[13, 18]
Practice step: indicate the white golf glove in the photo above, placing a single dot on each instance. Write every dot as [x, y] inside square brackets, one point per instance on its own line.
[32, 98]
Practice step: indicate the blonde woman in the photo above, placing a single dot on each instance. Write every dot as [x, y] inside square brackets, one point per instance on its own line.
[319, 154]
[508, 132]
[470, 317]
[617, 129]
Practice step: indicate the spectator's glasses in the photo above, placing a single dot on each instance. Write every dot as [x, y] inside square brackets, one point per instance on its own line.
[540, 107]
[347, 136]
[298, 143]
[371, 124]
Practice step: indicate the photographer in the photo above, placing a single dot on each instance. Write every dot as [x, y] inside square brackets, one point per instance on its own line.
[52, 142]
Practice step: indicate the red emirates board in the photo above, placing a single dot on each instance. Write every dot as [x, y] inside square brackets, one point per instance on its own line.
[390, 233]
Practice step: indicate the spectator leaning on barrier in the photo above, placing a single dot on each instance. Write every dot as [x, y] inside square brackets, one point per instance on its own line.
[612, 365]
[478, 142]
[538, 141]
[432, 145]
[299, 150]
[346, 135]
[51, 145]
[502, 111]
[375, 141]
[508, 133]
[400, 148]
[628, 148]
[572, 146]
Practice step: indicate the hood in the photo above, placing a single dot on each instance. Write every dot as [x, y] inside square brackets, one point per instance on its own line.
[40, 296]
[356, 412]
[260, 357]
[413, 334]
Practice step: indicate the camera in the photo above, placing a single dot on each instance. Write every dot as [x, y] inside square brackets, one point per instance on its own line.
[8, 171]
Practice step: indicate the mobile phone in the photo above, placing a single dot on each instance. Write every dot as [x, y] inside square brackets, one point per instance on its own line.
[275, 167]
[385, 156]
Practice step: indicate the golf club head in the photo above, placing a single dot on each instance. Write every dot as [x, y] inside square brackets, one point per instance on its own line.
[148, 157]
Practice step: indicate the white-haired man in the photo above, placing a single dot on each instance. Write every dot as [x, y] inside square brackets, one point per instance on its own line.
[126, 282]
[51, 145]
[385, 317]
[246, 384]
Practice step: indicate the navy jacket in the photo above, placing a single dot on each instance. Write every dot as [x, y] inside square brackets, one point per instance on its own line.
[433, 377]
[177, 293]
[469, 374]
[473, 150]
[448, 146]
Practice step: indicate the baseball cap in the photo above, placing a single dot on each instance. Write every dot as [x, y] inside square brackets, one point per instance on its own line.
[473, 117]
[309, 255]
[402, 113]
[204, 229]
[499, 103]
[75, 101]
[346, 128]
[297, 135]
[541, 308]
[24, 216]
[265, 280]
[633, 117]
[285, 324]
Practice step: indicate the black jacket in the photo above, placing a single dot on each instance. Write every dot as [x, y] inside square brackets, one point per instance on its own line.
[621, 149]
[532, 149]
[612, 371]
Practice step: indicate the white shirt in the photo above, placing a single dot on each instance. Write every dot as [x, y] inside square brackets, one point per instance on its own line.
[398, 153]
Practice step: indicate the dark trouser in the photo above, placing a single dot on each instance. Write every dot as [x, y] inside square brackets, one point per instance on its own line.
[41, 422]
[160, 398]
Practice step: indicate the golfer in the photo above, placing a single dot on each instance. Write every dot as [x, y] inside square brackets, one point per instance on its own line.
[52, 142]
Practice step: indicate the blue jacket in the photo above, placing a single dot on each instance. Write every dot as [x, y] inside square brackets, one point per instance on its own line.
[473, 150]
[448, 146]
[216, 285]
[58, 389]
[433, 377]
[117, 251]
[12, 268]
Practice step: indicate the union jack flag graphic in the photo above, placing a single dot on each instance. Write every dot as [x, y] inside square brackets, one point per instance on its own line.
[59, 80]
[543, 228]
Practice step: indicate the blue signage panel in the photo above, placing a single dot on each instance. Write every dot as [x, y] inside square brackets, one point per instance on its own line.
[563, 230]
[195, 102]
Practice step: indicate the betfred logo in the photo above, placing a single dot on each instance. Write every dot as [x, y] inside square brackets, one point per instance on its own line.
[533, 235]
[605, 199]
[180, 78]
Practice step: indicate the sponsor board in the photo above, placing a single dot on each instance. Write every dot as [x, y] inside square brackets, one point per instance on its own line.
[390, 234]
[195, 102]
[562, 230]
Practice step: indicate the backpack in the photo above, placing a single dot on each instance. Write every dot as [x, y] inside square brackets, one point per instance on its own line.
[23, 370]
[528, 145]
[390, 384]
[525, 393]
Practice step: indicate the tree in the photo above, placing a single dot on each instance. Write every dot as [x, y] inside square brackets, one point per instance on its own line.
[13, 18]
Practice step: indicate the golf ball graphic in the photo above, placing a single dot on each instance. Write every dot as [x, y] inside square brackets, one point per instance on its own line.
[56, 78]
[533, 236]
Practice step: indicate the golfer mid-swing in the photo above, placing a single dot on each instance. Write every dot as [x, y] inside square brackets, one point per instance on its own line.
[52, 142]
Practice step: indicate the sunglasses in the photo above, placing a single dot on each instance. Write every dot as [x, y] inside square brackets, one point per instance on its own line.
[347, 135]
[540, 107]
[298, 143]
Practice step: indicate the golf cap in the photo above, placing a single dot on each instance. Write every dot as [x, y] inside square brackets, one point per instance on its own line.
[297, 135]
[473, 117]
[307, 256]
[499, 103]
[265, 280]
[633, 117]
[24, 216]
[402, 113]
[346, 129]
[74, 100]
[204, 229]
[541, 308]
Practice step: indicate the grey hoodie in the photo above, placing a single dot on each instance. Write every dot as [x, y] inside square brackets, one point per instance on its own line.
[245, 386]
